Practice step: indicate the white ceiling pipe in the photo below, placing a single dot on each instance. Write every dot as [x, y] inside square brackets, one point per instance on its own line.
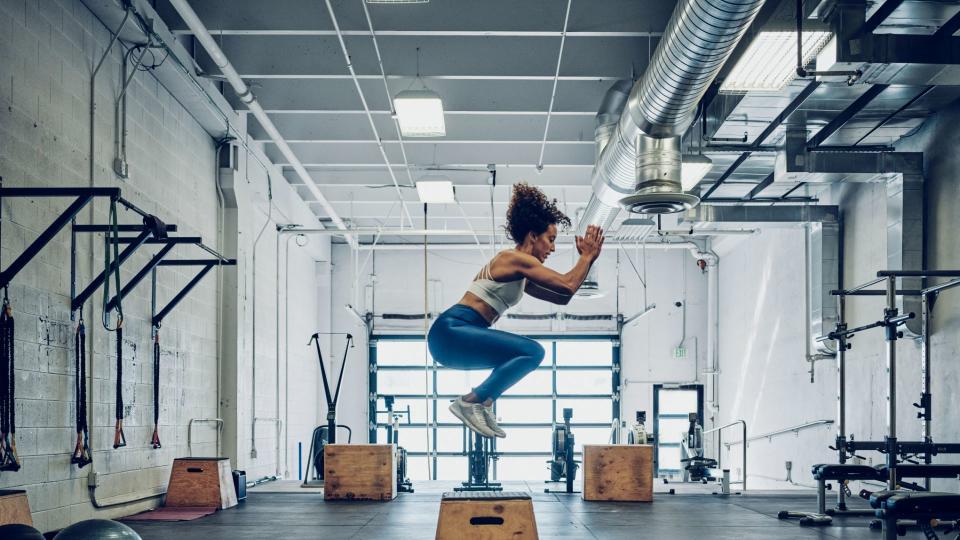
[202, 35]
[656, 246]
[366, 108]
[553, 93]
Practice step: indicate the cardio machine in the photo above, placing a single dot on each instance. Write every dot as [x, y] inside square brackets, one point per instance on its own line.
[563, 468]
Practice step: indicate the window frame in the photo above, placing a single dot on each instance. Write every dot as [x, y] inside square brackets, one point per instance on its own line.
[374, 396]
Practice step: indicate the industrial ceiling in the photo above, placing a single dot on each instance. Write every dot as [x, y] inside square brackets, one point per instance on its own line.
[495, 64]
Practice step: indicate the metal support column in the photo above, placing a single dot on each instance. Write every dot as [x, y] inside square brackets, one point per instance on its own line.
[891, 337]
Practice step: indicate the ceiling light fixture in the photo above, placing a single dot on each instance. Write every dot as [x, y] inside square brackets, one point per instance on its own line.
[436, 191]
[398, 1]
[693, 167]
[770, 62]
[419, 112]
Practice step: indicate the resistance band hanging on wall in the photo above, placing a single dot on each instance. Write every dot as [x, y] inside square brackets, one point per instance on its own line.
[81, 452]
[155, 440]
[8, 447]
[8, 401]
[112, 240]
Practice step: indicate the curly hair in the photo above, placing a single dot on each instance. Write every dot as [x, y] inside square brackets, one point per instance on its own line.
[531, 211]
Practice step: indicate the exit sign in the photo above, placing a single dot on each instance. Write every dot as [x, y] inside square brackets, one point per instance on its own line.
[680, 352]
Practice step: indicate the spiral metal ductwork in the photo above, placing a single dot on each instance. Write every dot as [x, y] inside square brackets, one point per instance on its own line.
[639, 168]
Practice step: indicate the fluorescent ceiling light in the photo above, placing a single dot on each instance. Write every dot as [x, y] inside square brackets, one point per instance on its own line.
[771, 61]
[420, 113]
[435, 191]
[398, 1]
[693, 168]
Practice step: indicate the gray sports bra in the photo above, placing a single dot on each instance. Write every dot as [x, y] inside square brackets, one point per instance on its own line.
[500, 295]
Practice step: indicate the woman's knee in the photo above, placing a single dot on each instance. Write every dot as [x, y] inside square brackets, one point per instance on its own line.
[535, 352]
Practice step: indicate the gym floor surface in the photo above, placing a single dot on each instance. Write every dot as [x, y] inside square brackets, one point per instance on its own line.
[694, 515]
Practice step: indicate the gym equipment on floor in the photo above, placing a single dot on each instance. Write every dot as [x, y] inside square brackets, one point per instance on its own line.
[923, 508]
[491, 515]
[359, 472]
[696, 467]
[14, 507]
[19, 531]
[563, 468]
[324, 435]
[481, 453]
[618, 472]
[201, 482]
[404, 485]
[97, 529]
[638, 432]
[893, 471]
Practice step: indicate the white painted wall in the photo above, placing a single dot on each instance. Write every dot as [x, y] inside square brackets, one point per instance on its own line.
[48, 49]
[647, 346]
[765, 379]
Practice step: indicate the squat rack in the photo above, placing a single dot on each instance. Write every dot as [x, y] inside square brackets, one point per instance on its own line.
[892, 319]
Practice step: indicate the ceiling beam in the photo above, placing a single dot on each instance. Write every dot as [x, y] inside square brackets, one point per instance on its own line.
[949, 28]
[427, 33]
[880, 15]
[846, 115]
[781, 118]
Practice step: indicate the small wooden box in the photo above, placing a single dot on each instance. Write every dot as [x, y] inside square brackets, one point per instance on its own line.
[14, 507]
[618, 472]
[359, 472]
[486, 515]
[201, 482]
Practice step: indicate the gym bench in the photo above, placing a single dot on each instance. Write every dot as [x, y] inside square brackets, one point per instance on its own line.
[927, 509]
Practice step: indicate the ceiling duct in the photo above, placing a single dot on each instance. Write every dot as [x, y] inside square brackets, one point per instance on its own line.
[590, 288]
[639, 168]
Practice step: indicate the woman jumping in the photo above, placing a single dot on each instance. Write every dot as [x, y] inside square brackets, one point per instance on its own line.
[461, 337]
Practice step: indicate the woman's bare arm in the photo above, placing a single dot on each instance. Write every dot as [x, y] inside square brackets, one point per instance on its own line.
[530, 267]
[548, 295]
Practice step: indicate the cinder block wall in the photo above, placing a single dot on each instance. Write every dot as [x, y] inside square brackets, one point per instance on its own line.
[48, 49]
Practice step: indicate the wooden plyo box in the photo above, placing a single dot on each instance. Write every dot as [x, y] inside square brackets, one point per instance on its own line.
[621, 472]
[486, 515]
[359, 472]
[201, 481]
[14, 507]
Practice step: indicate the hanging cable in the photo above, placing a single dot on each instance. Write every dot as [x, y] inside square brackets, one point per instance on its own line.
[111, 250]
[155, 440]
[81, 452]
[426, 349]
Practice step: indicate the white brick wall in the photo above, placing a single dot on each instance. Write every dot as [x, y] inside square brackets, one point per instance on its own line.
[47, 49]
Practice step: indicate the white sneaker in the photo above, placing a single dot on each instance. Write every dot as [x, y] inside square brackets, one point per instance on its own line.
[492, 422]
[471, 414]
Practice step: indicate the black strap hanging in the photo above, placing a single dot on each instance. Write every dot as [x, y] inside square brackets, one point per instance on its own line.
[119, 439]
[155, 441]
[111, 250]
[8, 429]
[81, 452]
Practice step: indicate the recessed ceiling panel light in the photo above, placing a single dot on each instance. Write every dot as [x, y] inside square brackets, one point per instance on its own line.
[420, 113]
[435, 191]
[398, 1]
[771, 61]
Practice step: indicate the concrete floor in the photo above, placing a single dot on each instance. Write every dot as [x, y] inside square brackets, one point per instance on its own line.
[282, 511]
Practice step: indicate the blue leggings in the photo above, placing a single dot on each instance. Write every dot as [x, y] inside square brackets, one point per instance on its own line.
[462, 339]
